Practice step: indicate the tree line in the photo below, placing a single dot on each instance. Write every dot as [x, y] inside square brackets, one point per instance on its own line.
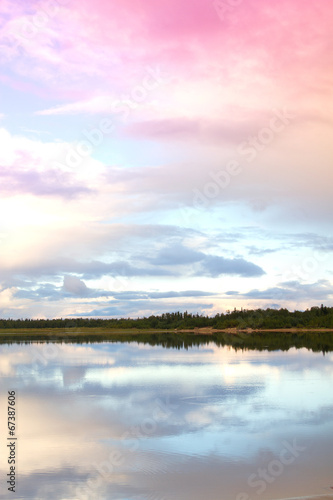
[315, 317]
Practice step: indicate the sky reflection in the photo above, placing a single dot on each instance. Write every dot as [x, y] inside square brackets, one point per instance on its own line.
[128, 421]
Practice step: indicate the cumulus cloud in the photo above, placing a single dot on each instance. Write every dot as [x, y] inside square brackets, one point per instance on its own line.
[75, 286]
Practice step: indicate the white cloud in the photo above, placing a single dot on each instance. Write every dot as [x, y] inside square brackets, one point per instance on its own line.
[97, 104]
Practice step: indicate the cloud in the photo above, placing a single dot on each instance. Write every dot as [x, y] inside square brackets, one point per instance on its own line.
[215, 266]
[86, 249]
[127, 295]
[45, 291]
[148, 308]
[97, 104]
[180, 129]
[75, 286]
[53, 182]
[293, 291]
[102, 241]
[209, 265]
[77, 299]
[177, 255]
[202, 264]
[261, 251]
[193, 87]
[250, 49]
[311, 240]
[88, 269]
[259, 186]
[31, 166]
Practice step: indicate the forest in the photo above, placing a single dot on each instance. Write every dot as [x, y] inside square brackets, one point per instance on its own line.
[263, 319]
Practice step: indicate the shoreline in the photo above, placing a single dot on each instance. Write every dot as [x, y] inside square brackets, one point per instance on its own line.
[325, 496]
[235, 331]
[150, 331]
[283, 338]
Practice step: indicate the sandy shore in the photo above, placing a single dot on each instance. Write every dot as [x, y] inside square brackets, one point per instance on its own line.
[316, 497]
[209, 331]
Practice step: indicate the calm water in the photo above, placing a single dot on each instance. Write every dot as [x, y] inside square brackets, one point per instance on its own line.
[136, 422]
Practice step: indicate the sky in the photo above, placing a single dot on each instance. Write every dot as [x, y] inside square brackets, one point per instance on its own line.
[165, 156]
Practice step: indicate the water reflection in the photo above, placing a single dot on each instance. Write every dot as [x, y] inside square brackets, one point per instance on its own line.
[127, 421]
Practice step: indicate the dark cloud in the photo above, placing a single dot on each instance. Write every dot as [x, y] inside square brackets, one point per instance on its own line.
[74, 287]
[87, 270]
[196, 263]
[177, 254]
[261, 251]
[215, 266]
[209, 265]
[46, 291]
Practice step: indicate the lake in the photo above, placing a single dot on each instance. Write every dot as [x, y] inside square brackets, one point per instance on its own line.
[131, 421]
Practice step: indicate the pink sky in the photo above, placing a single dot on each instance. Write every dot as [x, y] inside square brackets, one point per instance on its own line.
[188, 88]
